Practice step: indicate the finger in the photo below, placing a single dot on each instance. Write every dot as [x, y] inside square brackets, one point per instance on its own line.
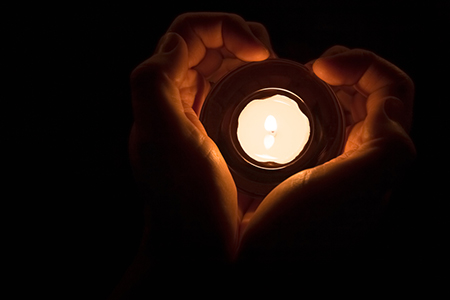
[193, 185]
[261, 33]
[329, 52]
[368, 73]
[210, 63]
[385, 117]
[337, 49]
[228, 64]
[155, 86]
[214, 30]
[220, 62]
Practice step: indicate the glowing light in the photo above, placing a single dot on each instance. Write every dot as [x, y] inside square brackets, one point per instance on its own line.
[273, 129]
[270, 124]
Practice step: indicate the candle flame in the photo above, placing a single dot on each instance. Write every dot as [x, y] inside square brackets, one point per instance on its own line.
[270, 124]
[269, 140]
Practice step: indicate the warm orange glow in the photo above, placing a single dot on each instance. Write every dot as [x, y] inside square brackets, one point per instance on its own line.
[273, 129]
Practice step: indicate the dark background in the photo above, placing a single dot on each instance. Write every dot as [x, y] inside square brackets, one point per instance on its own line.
[72, 69]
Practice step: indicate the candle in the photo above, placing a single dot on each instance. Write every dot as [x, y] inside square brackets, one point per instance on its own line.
[273, 129]
[271, 120]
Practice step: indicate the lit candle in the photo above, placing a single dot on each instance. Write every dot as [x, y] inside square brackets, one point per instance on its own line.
[273, 129]
[272, 119]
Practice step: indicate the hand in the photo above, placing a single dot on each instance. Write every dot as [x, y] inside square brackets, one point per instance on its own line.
[192, 208]
[191, 199]
[320, 211]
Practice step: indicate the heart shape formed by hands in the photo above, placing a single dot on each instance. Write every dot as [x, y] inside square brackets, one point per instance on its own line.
[193, 209]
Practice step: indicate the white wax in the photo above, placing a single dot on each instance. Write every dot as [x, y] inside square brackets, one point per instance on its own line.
[273, 129]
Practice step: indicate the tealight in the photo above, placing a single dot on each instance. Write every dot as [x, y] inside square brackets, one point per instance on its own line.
[273, 129]
[270, 120]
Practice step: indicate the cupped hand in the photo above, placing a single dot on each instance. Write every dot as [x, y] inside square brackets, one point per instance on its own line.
[190, 193]
[321, 211]
[192, 210]
[191, 199]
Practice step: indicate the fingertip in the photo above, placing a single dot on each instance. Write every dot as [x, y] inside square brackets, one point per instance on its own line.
[250, 50]
[322, 65]
[325, 71]
[260, 33]
[174, 53]
[241, 41]
[170, 59]
[345, 68]
[168, 42]
[337, 49]
[262, 54]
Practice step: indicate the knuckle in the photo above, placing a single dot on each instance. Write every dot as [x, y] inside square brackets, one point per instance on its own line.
[409, 83]
[183, 18]
[181, 22]
[406, 84]
[367, 54]
[202, 16]
[139, 72]
[258, 27]
[233, 17]
[145, 73]
[334, 50]
[339, 48]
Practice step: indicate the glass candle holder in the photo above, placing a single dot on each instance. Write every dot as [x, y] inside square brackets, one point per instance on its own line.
[271, 120]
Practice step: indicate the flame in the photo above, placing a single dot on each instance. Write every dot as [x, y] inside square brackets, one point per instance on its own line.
[270, 124]
[269, 140]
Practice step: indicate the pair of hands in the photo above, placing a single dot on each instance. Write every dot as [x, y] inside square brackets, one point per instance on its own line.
[193, 209]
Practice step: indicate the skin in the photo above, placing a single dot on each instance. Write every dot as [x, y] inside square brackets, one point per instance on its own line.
[195, 214]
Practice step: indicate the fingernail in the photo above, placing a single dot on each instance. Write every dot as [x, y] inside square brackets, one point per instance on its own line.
[394, 109]
[169, 43]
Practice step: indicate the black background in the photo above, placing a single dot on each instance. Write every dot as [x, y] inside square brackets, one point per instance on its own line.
[72, 116]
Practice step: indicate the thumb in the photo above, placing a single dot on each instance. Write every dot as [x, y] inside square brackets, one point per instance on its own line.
[362, 175]
[347, 192]
[386, 119]
[155, 82]
[172, 52]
